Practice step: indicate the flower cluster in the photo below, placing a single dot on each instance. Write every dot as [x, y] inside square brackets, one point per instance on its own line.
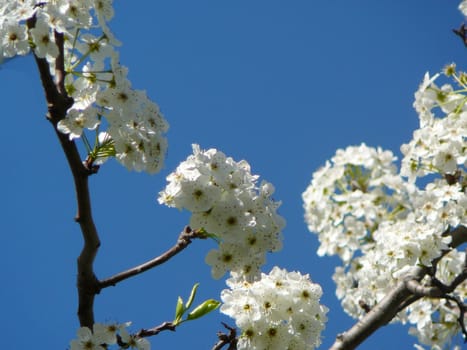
[350, 196]
[438, 146]
[445, 314]
[463, 7]
[279, 311]
[225, 201]
[398, 247]
[382, 225]
[104, 335]
[94, 78]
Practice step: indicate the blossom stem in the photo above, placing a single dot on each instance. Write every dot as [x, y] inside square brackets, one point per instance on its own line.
[183, 241]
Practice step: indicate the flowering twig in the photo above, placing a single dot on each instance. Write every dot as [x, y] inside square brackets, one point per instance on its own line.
[183, 241]
[166, 326]
[383, 312]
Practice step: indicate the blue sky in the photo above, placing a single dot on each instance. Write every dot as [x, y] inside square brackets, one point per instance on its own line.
[282, 84]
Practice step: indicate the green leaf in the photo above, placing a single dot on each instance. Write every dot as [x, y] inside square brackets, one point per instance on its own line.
[192, 296]
[179, 311]
[203, 309]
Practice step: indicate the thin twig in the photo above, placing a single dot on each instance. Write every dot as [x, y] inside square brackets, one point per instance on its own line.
[225, 339]
[462, 311]
[183, 241]
[166, 326]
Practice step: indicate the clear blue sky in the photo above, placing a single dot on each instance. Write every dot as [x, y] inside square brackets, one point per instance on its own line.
[282, 84]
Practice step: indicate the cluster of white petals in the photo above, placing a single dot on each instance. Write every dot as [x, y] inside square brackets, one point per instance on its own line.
[102, 94]
[104, 336]
[436, 320]
[350, 196]
[382, 224]
[226, 201]
[438, 146]
[279, 311]
[463, 7]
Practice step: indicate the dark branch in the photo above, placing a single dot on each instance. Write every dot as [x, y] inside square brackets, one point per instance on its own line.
[225, 339]
[183, 241]
[166, 326]
[58, 102]
[462, 309]
[462, 33]
[60, 65]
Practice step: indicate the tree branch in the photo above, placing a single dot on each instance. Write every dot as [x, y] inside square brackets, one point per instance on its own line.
[380, 315]
[462, 33]
[389, 306]
[60, 65]
[462, 309]
[58, 102]
[183, 241]
[225, 339]
[166, 326]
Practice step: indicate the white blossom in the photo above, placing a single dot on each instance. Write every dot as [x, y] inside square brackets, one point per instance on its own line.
[226, 201]
[463, 7]
[78, 120]
[103, 336]
[13, 39]
[279, 311]
[44, 41]
[383, 226]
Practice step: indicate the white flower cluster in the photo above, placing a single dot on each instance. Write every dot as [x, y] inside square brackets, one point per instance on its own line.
[94, 77]
[276, 311]
[225, 201]
[463, 7]
[445, 313]
[280, 311]
[398, 247]
[350, 196]
[438, 146]
[381, 225]
[104, 335]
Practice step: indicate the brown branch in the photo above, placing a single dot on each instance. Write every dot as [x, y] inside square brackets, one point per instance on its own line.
[58, 102]
[379, 315]
[166, 326]
[60, 65]
[225, 339]
[183, 241]
[462, 33]
[419, 290]
[383, 312]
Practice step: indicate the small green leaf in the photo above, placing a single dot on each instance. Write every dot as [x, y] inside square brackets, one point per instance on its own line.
[203, 309]
[179, 311]
[192, 296]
